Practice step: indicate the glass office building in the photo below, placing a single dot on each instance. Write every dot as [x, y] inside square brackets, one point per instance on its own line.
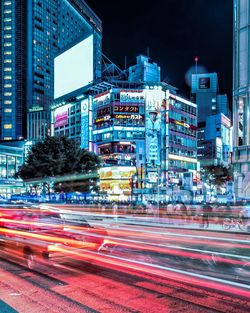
[33, 32]
[241, 99]
[11, 158]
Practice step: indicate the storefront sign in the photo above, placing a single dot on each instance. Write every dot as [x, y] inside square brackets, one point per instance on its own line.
[126, 109]
[132, 116]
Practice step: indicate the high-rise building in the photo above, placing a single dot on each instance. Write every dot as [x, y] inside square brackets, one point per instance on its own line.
[204, 92]
[241, 99]
[214, 124]
[32, 33]
[145, 70]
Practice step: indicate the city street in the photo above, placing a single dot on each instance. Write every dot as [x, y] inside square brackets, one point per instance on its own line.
[144, 266]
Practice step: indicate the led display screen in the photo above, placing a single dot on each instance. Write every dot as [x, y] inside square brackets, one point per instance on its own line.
[73, 69]
[61, 116]
[103, 112]
[204, 83]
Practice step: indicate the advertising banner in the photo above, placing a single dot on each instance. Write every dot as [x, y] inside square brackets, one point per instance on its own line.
[153, 127]
[85, 124]
[61, 116]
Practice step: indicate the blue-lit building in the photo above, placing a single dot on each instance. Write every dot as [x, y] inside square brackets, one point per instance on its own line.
[214, 121]
[32, 33]
[241, 99]
[215, 140]
[12, 156]
[145, 70]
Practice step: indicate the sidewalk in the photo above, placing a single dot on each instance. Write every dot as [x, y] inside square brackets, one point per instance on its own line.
[174, 223]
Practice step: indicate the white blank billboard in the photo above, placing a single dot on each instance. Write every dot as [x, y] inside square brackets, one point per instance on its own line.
[74, 68]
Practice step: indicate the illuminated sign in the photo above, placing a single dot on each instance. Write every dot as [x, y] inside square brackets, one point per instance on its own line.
[35, 109]
[84, 123]
[126, 108]
[132, 116]
[103, 119]
[101, 94]
[61, 116]
[204, 83]
[225, 121]
[73, 69]
[103, 112]
[131, 95]
[171, 120]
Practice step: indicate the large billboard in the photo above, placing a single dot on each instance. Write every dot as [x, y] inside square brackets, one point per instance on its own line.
[61, 116]
[74, 69]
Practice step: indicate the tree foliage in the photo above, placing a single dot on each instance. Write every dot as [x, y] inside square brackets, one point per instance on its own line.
[57, 156]
[216, 175]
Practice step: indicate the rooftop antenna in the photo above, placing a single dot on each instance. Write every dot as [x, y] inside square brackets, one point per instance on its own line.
[125, 62]
[148, 52]
[196, 64]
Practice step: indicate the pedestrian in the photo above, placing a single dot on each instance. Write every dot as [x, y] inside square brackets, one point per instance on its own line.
[183, 211]
[206, 212]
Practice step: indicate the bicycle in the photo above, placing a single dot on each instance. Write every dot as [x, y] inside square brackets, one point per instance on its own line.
[229, 223]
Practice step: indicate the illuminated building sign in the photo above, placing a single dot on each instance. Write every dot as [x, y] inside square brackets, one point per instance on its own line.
[131, 95]
[103, 112]
[132, 116]
[101, 94]
[61, 116]
[126, 108]
[171, 120]
[103, 119]
[225, 121]
[204, 83]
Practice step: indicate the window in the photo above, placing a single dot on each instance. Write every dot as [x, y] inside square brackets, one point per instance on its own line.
[7, 85]
[7, 11]
[7, 69]
[7, 138]
[7, 61]
[7, 19]
[7, 77]
[7, 126]
[7, 36]
[7, 44]
[7, 28]
[7, 102]
[7, 94]
[7, 110]
[7, 52]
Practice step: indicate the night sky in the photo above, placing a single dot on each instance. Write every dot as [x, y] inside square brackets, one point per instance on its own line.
[175, 31]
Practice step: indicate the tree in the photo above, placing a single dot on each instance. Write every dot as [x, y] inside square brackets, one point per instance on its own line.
[216, 176]
[57, 156]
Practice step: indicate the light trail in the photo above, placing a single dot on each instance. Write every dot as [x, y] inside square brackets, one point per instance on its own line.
[166, 272]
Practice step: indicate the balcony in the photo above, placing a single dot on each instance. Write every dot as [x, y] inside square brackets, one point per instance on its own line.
[241, 154]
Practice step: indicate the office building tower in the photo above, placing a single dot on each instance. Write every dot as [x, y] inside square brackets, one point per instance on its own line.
[204, 92]
[222, 105]
[241, 100]
[145, 70]
[214, 121]
[33, 32]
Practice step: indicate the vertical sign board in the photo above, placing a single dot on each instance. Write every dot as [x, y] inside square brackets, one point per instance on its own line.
[85, 124]
[153, 126]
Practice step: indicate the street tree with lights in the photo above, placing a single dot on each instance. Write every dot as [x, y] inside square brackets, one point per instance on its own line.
[59, 157]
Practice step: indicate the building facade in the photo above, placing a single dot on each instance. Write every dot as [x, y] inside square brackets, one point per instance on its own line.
[215, 141]
[241, 99]
[11, 158]
[145, 70]
[214, 121]
[144, 133]
[32, 33]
